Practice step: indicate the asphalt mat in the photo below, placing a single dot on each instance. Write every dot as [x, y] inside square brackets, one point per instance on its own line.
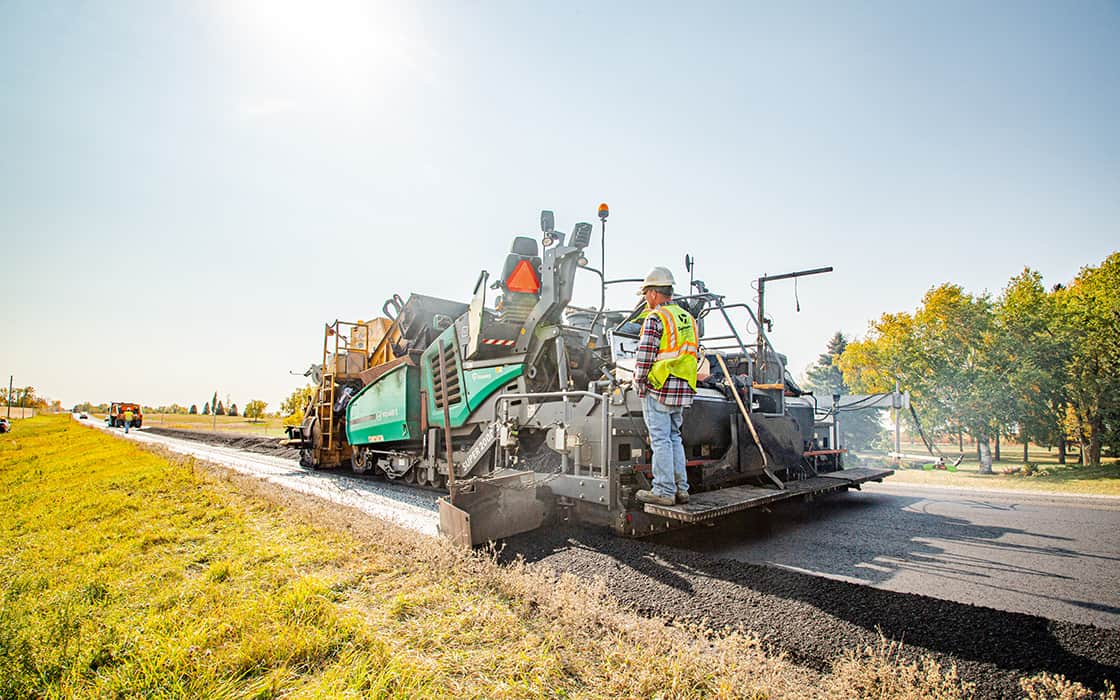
[813, 619]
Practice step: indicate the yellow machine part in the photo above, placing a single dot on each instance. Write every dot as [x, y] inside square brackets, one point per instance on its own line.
[382, 335]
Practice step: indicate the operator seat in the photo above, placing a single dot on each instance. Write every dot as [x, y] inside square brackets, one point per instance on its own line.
[520, 282]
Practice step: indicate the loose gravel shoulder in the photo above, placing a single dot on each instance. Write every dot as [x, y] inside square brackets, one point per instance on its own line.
[813, 619]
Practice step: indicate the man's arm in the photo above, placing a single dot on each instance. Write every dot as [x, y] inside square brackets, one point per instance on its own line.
[648, 345]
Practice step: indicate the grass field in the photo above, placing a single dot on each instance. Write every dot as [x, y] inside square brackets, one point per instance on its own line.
[271, 427]
[1045, 474]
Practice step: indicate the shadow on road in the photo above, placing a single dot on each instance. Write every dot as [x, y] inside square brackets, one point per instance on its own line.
[814, 618]
[870, 538]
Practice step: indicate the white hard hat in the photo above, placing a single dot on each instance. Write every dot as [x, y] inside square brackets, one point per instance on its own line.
[657, 277]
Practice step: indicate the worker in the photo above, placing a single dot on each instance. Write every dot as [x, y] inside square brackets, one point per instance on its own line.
[665, 379]
[127, 420]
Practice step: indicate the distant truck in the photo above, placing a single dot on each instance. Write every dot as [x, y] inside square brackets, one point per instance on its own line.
[117, 411]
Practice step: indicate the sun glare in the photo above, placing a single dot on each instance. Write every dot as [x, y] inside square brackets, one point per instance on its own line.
[343, 49]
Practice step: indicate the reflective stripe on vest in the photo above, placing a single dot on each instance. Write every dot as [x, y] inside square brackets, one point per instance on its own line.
[678, 352]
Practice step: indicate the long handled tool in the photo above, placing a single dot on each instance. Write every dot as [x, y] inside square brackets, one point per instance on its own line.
[747, 417]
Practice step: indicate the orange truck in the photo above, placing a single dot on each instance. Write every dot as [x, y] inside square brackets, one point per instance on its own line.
[117, 411]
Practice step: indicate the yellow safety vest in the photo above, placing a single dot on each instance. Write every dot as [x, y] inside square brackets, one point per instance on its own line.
[678, 354]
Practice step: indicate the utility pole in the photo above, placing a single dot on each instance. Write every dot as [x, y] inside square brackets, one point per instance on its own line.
[897, 404]
[836, 422]
[10, 377]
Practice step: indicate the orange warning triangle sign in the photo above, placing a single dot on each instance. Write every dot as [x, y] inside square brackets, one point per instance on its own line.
[523, 278]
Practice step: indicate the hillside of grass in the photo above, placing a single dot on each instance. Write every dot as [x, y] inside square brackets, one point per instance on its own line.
[127, 573]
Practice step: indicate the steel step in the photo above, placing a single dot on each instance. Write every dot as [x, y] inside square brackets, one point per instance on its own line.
[715, 504]
[710, 505]
[858, 475]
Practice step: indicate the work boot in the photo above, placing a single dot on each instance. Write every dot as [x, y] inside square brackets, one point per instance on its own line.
[682, 497]
[651, 497]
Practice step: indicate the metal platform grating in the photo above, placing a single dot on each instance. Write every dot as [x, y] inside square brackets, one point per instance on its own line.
[859, 475]
[714, 504]
[710, 505]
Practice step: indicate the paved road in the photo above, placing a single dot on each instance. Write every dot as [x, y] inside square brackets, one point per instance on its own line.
[1053, 556]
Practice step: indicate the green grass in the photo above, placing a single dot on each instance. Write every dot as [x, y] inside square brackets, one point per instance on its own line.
[1044, 473]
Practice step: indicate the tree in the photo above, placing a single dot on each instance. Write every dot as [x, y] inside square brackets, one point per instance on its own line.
[1038, 355]
[946, 355]
[27, 398]
[220, 410]
[214, 404]
[205, 409]
[859, 428]
[254, 410]
[825, 377]
[1090, 319]
[233, 409]
[193, 410]
[292, 408]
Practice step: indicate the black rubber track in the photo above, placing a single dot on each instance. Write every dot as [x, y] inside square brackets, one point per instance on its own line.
[813, 619]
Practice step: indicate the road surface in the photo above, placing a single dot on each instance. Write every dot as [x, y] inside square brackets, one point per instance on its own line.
[1055, 556]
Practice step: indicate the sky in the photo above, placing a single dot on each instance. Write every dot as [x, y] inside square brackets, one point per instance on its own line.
[189, 190]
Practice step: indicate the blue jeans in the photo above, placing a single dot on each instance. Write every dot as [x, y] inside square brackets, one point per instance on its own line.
[664, 425]
[126, 424]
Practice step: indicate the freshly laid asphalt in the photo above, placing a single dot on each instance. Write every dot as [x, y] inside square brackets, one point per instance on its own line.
[812, 618]
[1051, 555]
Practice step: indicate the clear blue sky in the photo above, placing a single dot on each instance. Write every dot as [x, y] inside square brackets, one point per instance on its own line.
[188, 190]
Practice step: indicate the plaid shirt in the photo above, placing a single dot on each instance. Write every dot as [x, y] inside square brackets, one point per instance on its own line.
[675, 391]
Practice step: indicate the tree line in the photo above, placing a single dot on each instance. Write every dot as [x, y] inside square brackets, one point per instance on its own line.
[254, 410]
[27, 397]
[1034, 364]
